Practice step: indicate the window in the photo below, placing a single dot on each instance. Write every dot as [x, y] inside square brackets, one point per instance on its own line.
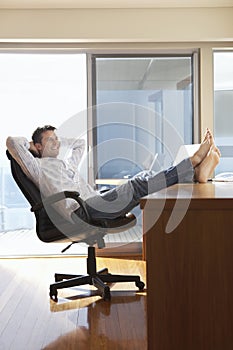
[223, 107]
[143, 107]
[35, 89]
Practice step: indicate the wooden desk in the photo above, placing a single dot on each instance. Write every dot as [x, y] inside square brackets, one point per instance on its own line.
[112, 182]
[190, 270]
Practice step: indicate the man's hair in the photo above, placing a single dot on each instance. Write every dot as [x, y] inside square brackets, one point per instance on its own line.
[37, 134]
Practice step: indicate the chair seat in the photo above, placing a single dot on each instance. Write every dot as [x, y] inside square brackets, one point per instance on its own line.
[118, 224]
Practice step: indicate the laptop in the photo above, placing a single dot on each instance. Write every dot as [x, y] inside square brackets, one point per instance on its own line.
[149, 162]
[185, 151]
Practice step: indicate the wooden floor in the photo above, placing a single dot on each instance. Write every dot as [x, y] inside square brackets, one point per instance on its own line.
[80, 320]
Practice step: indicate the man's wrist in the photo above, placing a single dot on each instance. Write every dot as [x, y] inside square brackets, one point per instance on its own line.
[32, 148]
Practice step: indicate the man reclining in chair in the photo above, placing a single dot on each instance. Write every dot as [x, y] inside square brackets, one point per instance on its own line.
[53, 175]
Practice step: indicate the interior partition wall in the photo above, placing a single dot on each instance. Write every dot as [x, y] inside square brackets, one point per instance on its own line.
[223, 107]
[144, 108]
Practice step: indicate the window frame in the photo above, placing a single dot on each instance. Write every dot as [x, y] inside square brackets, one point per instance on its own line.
[91, 98]
[225, 149]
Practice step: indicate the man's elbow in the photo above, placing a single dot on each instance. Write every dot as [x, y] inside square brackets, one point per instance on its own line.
[9, 142]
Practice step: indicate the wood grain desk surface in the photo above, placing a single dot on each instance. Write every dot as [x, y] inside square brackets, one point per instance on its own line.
[212, 194]
[111, 182]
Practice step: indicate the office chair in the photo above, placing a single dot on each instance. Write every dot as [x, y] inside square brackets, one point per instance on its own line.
[59, 229]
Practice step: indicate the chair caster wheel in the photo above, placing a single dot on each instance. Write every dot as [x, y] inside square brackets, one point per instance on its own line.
[140, 285]
[53, 294]
[54, 297]
[106, 294]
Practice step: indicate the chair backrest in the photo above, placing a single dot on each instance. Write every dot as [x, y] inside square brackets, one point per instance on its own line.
[45, 228]
[28, 188]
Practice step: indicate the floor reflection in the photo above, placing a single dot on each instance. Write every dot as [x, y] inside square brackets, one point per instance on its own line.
[98, 324]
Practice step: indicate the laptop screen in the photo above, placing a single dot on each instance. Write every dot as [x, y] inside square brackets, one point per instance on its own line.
[185, 151]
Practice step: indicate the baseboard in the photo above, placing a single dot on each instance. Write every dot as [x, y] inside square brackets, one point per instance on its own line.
[117, 249]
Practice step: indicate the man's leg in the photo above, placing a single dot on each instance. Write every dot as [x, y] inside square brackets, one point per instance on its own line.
[120, 200]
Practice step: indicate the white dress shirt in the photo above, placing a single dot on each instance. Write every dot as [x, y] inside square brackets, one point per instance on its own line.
[52, 175]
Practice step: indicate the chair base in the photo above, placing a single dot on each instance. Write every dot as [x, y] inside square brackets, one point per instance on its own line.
[100, 279]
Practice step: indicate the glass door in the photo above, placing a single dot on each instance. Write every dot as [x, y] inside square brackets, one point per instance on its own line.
[143, 109]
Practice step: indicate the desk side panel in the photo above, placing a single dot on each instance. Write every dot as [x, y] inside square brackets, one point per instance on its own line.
[190, 281]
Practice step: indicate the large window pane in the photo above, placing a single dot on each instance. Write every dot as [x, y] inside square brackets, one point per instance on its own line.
[35, 89]
[139, 100]
[223, 107]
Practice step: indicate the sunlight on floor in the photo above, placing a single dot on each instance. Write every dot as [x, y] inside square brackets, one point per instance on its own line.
[26, 243]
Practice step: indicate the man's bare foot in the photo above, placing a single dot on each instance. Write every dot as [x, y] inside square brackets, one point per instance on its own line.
[203, 150]
[207, 166]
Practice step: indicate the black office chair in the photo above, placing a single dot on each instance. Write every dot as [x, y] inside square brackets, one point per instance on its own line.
[59, 229]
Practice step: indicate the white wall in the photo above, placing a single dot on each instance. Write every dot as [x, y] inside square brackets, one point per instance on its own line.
[130, 29]
[143, 25]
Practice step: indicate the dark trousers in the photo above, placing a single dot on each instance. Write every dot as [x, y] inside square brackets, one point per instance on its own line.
[122, 199]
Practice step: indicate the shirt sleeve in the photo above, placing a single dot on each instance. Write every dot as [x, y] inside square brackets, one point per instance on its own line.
[76, 147]
[19, 150]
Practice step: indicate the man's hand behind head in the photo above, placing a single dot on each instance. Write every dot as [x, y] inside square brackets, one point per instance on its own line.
[33, 149]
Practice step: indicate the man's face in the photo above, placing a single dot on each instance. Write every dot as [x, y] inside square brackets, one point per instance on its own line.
[49, 146]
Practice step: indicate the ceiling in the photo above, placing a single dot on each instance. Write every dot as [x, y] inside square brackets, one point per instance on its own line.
[142, 74]
[23, 4]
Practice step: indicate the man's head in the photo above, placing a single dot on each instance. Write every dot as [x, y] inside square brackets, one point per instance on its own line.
[46, 141]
